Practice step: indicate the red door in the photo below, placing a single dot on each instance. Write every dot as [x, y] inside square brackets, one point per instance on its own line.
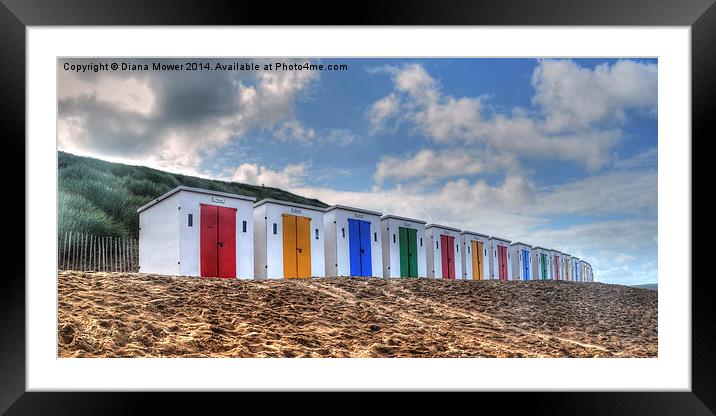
[227, 242]
[448, 256]
[556, 267]
[502, 259]
[218, 241]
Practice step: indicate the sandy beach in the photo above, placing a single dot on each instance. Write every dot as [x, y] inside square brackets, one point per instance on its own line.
[141, 315]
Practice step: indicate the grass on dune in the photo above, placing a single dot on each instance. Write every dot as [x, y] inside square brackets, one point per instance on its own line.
[102, 198]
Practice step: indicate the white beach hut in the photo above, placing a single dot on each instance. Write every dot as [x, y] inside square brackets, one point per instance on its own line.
[288, 240]
[197, 232]
[521, 261]
[404, 246]
[443, 252]
[500, 265]
[557, 268]
[540, 263]
[474, 255]
[576, 275]
[353, 247]
[567, 259]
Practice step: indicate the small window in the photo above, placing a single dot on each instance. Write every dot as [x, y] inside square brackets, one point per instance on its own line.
[243, 226]
[393, 238]
[190, 220]
[468, 249]
[316, 233]
[421, 242]
[457, 248]
[275, 227]
[343, 231]
[375, 236]
[437, 245]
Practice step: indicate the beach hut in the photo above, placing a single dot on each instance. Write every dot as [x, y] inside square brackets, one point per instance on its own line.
[500, 267]
[288, 240]
[540, 263]
[404, 248]
[197, 232]
[585, 266]
[585, 271]
[474, 255]
[576, 275]
[352, 244]
[443, 252]
[567, 261]
[556, 257]
[521, 261]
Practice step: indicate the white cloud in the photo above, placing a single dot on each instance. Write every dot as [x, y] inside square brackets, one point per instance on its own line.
[430, 165]
[132, 94]
[578, 118]
[293, 130]
[173, 121]
[343, 137]
[449, 119]
[414, 80]
[573, 98]
[287, 178]
[646, 158]
[382, 110]
[617, 192]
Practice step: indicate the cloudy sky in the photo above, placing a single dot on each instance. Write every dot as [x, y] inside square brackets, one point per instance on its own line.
[560, 153]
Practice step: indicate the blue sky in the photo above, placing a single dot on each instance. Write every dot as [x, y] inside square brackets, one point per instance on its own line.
[559, 153]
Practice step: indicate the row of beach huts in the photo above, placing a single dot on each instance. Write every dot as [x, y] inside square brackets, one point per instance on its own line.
[198, 232]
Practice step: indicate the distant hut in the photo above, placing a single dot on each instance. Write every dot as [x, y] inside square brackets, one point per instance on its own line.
[500, 267]
[353, 247]
[540, 263]
[443, 254]
[474, 255]
[404, 251]
[288, 240]
[521, 261]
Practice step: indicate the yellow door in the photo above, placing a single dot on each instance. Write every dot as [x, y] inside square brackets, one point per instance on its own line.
[290, 267]
[476, 260]
[303, 246]
[480, 259]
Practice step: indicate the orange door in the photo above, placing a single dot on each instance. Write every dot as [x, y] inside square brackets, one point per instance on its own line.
[303, 246]
[477, 259]
[290, 259]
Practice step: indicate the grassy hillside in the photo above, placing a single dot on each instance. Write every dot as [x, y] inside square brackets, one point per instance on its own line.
[652, 286]
[102, 198]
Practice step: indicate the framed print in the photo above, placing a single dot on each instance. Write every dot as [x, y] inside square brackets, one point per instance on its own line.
[503, 204]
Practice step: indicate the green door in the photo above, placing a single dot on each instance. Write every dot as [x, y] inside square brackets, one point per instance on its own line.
[413, 252]
[544, 266]
[403, 243]
[408, 252]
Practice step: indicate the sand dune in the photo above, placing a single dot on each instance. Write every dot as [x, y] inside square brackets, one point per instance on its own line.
[138, 315]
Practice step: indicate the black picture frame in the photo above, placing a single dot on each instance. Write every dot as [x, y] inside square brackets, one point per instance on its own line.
[16, 15]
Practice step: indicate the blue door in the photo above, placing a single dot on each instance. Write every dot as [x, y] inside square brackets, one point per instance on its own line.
[576, 271]
[366, 263]
[526, 264]
[359, 243]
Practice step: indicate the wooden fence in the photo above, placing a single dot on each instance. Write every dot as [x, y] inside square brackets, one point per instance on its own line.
[86, 252]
